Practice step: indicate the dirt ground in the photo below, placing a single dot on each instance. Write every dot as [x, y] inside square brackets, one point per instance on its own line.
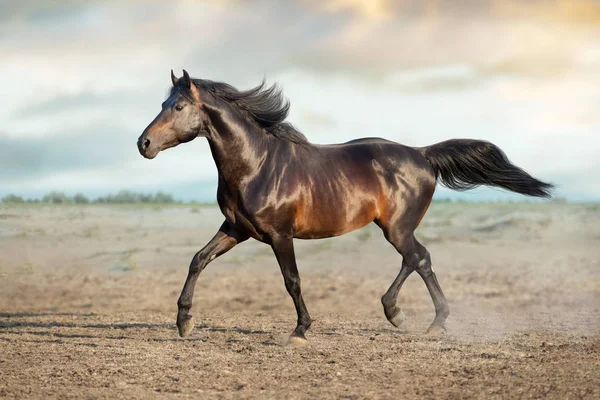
[88, 303]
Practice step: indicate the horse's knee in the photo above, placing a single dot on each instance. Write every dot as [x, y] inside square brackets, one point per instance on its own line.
[200, 260]
[195, 265]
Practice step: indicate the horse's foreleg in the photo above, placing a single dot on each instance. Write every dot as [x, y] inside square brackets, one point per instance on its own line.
[225, 239]
[284, 251]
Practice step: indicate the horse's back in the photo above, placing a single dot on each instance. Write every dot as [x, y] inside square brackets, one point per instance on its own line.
[384, 156]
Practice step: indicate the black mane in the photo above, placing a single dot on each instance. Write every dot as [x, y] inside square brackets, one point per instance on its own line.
[266, 105]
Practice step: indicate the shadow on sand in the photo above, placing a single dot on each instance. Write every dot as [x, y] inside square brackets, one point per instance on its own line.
[8, 326]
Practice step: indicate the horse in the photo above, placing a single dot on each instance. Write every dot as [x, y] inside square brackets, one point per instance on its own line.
[275, 186]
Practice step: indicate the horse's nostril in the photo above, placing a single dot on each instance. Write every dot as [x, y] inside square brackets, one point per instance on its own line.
[145, 144]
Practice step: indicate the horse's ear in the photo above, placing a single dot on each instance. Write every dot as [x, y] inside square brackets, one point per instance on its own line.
[186, 79]
[174, 79]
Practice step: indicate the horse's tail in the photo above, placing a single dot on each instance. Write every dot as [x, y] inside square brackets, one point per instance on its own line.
[463, 164]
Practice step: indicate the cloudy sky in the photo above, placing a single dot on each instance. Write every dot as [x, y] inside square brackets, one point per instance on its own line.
[80, 80]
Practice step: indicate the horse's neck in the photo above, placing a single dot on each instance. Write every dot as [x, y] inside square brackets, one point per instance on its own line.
[238, 147]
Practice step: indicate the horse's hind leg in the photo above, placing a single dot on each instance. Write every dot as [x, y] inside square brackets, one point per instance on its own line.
[415, 258]
[393, 313]
[439, 300]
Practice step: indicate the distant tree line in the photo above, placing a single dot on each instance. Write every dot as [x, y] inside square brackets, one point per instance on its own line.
[122, 197]
[129, 197]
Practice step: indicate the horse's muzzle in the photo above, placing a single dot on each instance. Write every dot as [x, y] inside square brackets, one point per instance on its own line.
[143, 145]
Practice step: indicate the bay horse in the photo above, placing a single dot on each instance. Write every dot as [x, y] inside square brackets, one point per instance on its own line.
[274, 185]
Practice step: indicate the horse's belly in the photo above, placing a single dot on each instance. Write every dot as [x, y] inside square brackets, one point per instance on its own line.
[330, 220]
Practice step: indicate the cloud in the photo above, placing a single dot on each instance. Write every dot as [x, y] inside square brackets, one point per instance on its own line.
[71, 103]
[575, 13]
[371, 9]
[316, 118]
[82, 79]
[27, 158]
[449, 78]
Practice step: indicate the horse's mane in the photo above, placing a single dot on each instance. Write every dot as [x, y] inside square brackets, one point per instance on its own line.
[266, 105]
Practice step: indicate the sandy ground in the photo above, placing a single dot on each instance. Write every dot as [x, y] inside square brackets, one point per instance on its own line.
[88, 304]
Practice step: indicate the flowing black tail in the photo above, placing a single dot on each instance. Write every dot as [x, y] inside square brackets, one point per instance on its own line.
[463, 164]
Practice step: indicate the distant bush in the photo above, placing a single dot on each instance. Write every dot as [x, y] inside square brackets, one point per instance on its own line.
[12, 198]
[129, 197]
[165, 198]
[80, 198]
[56, 198]
[122, 197]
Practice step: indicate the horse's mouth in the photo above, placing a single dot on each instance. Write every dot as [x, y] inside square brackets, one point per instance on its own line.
[152, 152]
[150, 156]
[149, 153]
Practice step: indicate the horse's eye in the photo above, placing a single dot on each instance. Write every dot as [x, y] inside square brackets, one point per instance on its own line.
[179, 107]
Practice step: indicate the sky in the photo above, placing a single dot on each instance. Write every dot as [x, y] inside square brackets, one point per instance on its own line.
[80, 80]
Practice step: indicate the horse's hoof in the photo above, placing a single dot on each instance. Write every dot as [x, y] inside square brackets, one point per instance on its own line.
[185, 325]
[297, 341]
[398, 319]
[436, 329]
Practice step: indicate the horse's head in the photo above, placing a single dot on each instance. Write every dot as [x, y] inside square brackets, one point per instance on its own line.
[181, 119]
